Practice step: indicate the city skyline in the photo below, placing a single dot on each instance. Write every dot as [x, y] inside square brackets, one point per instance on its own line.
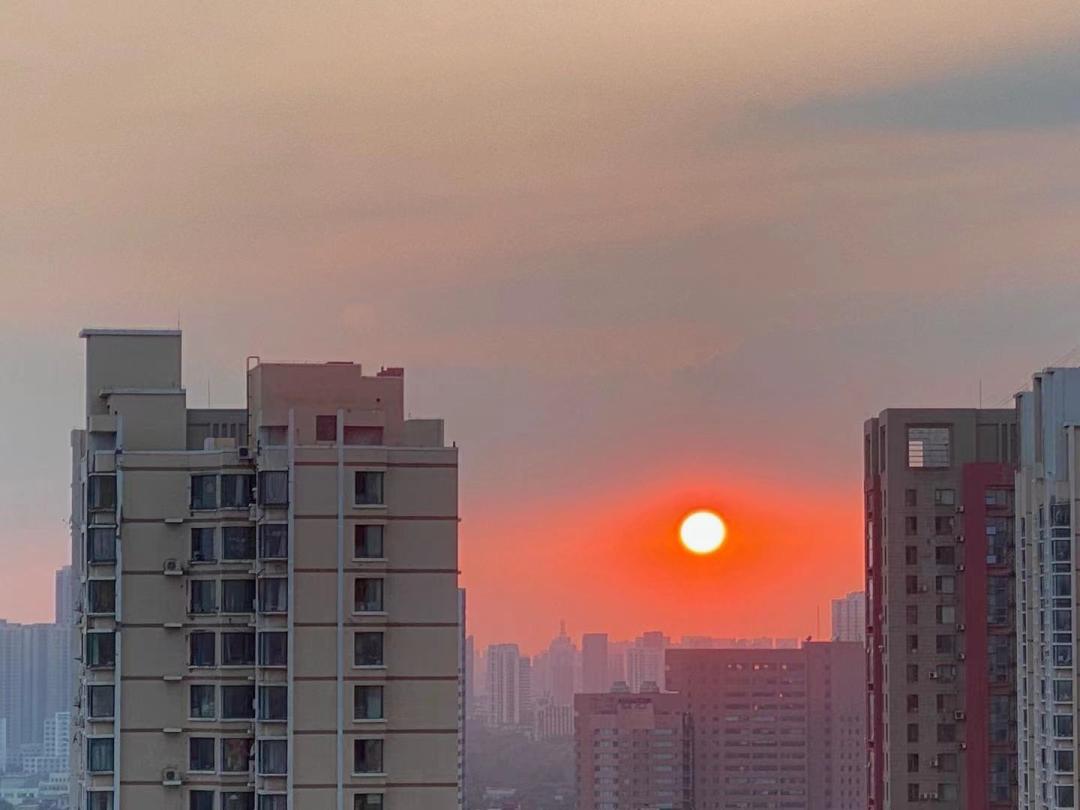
[637, 273]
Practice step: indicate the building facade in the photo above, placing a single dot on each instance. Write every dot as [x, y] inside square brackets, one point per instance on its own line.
[633, 751]
[849, 617]
[508, 694]
[594, 663]
[268, 611]
[1047, 588]
[940, 618]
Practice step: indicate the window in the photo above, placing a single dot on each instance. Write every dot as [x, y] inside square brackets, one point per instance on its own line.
[913, 791]
[101, 492]
[273, 703]
[368, 596]
[1064, 761]
[912, 643]
[273, 649]
[911, 497]
[911, 525]
[274, 488]
[946, 614]
[369, 542]
[368, 649]
[202, 544]
[928, 447]
[911, 555]
[100, 650]
[235, 800]
[946, 644]
[100, 701]
[274, 541]
[101, 546]
[273, 595]
[1063, 725]
[369, 488]
[912, 673]
[202, 705]
[1064, 796]
[201, 800]
[368, 702]
[273, 801]
[911, 614]
[911, 584]
[101, 593]
[204, 492]
[913, 732]
[913, 704]
[201, 754]
[99, 800]
[943, 525]
[367, 756]
[273, 757]
[238, 543]
[236, 754]
[368, 801]
[912, 763]
[237, 595]
[945, 584]
[1063, 691]
[203, 647]
[945, 555]
[237, 702]
[236, 491]
[326, 428]
[238, 649]
[203, 595]
[945, 497]
[99, 754]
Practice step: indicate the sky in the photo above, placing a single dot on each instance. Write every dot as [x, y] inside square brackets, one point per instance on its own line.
[642, 258]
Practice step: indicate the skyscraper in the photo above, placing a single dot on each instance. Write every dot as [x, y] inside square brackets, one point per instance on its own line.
[941, 637]
[775, 729]
[277, 583]
[594, 663]
[1047, 589]
[507, 684]
[35, 679]
[849, 617]
[645, 661]
[64, 596]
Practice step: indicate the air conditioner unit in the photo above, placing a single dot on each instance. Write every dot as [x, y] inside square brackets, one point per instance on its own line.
[959, 715]
[170, 776]
[244, 452]
[172, 568]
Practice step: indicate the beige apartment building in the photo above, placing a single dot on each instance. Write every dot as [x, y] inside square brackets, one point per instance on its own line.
[268, 595]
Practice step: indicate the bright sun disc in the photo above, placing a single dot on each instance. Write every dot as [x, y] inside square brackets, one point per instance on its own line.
[702, 532]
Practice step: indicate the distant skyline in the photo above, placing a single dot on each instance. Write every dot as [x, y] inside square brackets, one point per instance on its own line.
[641, 258]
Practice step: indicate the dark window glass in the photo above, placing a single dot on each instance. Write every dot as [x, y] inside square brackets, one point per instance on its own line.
[236, 490]
[99, 800]
[273, 702]
[101, 544]
[273, 649]
[236, 754]
[99, 755]
[945, 555]
[203, 595]
[233, 800]
[273, 801]
[274, 541]
[237, 702]
[237, 595]
[101, 492]
[369, 542]
[273, 595]
[274, 488]
[369, 488]
[100, 650]
[101, 700]
[202, 701]
[204, 492]
[238, 543]
[368, 801]
[203, 649]
[326, 428]
[201, 754]
[238, 649]
[367, 756]
[201, 800]
[368, 649]
[202, 544]
[101, 594]
[273, 757]
[368, 595]
[368, 702]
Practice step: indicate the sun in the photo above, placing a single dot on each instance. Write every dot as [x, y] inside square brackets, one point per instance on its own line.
[702, 532]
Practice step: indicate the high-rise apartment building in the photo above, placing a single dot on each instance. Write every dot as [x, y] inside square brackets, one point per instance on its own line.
[645, 661]
[633, 751]
[1047, 589]
[594, 663]
[941, 623]
[64, 596]
[268, 611]
[509, 701]
[775, 729]
[849, 617]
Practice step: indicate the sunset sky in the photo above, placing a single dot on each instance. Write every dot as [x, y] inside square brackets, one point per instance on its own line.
[642, 257]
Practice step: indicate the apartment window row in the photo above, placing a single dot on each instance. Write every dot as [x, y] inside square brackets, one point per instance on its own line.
[942, 497]
[326, 431]
[101, 597]
[100, 701]
[231, 800]
[944, 525]
[100, 649]
[238, 543]
[236, 754]
[267, 648]
[268, 595]
[225, 491]
[101, 492]
[235, 702]
[101, 545]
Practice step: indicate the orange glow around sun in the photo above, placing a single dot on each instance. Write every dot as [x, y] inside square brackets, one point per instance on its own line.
[702, 532]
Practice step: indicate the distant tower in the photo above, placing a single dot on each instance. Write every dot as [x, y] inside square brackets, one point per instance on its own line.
[594, 663]
[849, 617]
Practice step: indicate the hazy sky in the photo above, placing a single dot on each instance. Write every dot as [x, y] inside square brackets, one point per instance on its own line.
[641, 256]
